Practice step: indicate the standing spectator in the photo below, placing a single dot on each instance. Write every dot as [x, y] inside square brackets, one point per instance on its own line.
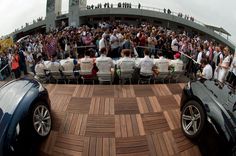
[224, 66]
[114, 41]
[30, 61]
[104, 42]
[200, 54]
[218, 59]
[22, 61]
[232, 74]
[175, 43]
[15, 60]
[152, 42]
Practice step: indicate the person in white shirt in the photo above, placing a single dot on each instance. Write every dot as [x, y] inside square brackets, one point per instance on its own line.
[30, 61]
[207, 70]
[146, 64]
[200, 53]
[175, 43]
[126, 63]
[177, 63]
[162, 63]
[104, 42]
[232, 73]
[68, 63]
[104, 63]
[40, 67]
[87, 65]
[152, 42]
[224, 66]
[217, 59]
[54, 65]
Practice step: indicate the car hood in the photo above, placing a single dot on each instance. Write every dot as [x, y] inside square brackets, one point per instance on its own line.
[11, 94]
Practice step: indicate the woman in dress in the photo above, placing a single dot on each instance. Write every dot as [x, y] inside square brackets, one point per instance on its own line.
[224, 66]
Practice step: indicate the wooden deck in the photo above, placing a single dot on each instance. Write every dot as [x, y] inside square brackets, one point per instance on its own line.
[118, 120]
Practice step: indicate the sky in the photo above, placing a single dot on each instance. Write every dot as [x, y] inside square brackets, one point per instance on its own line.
[15, 13]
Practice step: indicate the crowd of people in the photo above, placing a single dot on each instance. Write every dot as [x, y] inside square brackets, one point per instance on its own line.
[113, 40]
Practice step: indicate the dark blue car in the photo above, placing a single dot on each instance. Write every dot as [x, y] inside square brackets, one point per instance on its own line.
[24, 115]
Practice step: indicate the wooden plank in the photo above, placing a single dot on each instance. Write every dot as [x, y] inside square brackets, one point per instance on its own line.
[123, 126]
[129, 126]
[117, 126]
[140, 124]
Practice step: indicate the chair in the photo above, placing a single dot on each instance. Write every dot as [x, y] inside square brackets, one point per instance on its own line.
[104, 77]
[57, 75]
[176, 75]
[162, 76]
[86, 75]
[70, 76]
[43, 77]
[126, 75]
[145, 77]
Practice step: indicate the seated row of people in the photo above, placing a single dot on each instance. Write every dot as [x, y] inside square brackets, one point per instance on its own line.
[104, 64]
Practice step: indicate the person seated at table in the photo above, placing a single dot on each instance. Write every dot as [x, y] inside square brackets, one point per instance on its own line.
[40, 66]
[162, 63]
[104, 63]
[177, 63]
[207, 70]
[87, 65]
[68, 63]
[54, 64]
[126, 62]
[146, 64]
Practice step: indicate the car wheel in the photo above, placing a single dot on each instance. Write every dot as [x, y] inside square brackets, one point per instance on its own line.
[192, 119]
[41, 118]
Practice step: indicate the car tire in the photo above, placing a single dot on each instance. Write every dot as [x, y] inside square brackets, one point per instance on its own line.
[192, 119]
[41, 120]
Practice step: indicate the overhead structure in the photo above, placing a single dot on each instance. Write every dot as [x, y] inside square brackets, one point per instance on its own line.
[75, 6]
[53, 9]
[218, 29]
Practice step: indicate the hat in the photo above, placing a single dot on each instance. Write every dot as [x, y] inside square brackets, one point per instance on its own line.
[177, 55]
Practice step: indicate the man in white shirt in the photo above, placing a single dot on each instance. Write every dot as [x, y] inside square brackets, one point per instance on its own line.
[175, 43]
[86, 65]
[104, 42]
[54, 65]
[177, 63]
[68, 63]
[207, 69]
[126, 63]
[200, 53]
[114, 42]
[104, 63]
[40, 66]
[162, 63]
[146, 64]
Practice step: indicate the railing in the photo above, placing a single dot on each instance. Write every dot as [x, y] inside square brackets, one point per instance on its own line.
[5, 72]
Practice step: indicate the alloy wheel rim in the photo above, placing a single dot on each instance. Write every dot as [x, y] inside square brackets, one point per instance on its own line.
[191, 120]
[42, 120]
